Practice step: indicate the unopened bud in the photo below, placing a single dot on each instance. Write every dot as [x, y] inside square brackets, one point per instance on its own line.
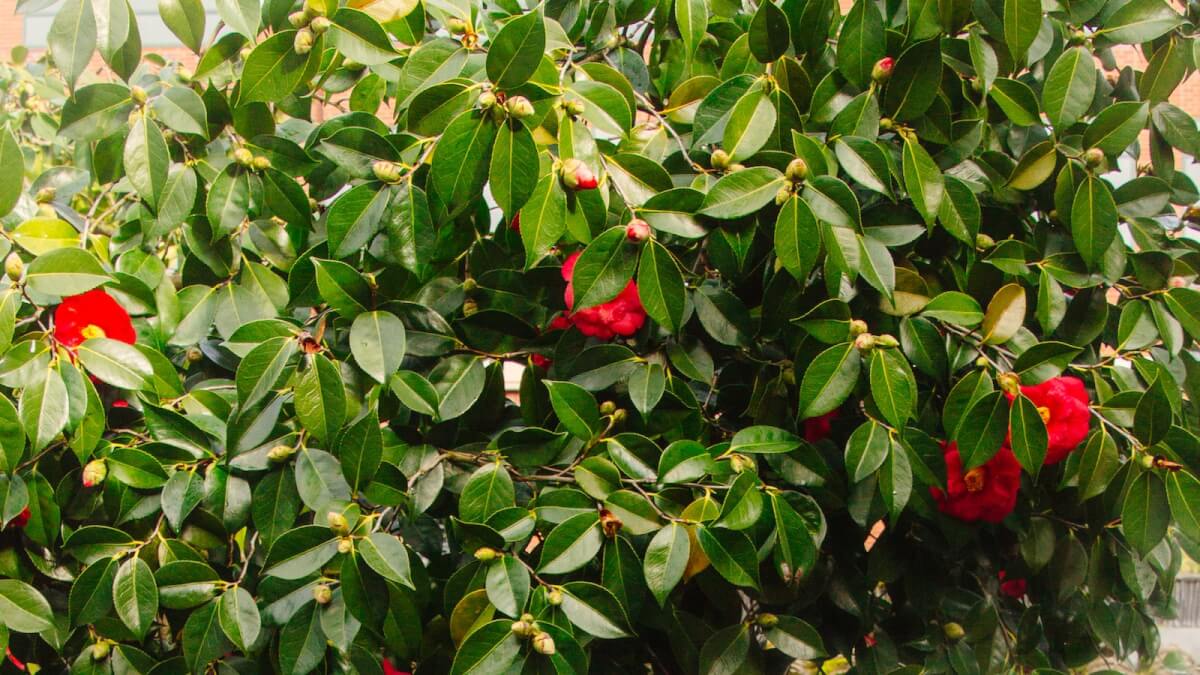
[345, 545]
[338, 523]
[469, 307]
[1078, 37]
[322, 594]
[386, 171]
[575, 107]
[886, 123]
[865, 342]
[94, 473]
[857, 327]
[469, 284]
[886, 341]
[719, 159]
[519, 107]
[882, 71]
[981, 362]
[739, 463]
[554, 598]
[243, 156]
[45, 195]
[983, 242]
[320, 25]
[1010, 383]
[138, 95]
[619, 415]
[100, 650]
[521, 628]
[767, 620]
[797, 170]
[576, 175]
[784, 194]
[193, 354]
[261, 163]
[280, 453]
[953, 631]
[487, 99]
[485, 554]
[543, 644]
[1093, 157]
[14, 266]
[1173, 282]
[608, 408]
[303, 43]
[298, 19]
[1147, 460]
[456, 26]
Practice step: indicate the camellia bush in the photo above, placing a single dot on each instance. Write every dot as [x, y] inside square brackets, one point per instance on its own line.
[673, 337]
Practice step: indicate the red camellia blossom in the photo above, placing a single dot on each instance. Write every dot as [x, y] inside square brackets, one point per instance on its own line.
[623, 315]
[389, 669]
[91, 315]
[1013, 588]
[540, 361]
[21, 519]
[987, 493]
[818, 428]
[1063, 404]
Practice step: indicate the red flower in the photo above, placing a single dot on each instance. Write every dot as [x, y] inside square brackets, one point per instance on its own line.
[883, 69]
[389, 669]
[17, 663]
[623, 315]
[818, 428]
[21, 519]
[1063, 403]
[1013, 588]
[559, 322]
[637, 231]
[539, 360]
[91, 315]
[515, 225]
[987, 493]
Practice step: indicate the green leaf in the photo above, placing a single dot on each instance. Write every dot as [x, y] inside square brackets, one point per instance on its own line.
[764, 440]
[893, 386]
[460, 165]
[742, 504]
[377, 342]
[1093, 220]
[1017, 100]
[72, 38]
[725, 652]
[361, 451]
[1070, 87]
[300, 552]
[386, 554]
[320, 398]
[660, 286]
[769, 33]
[23, 609]
[604, 269]
[572, 544]
[1116, 127]
[692, 18]
[261, 371]
[923, 179]
[1140, 21]
[741, 193]
[43, 409]
[797, 639]
[1028, 434]
[238, 616]
[135, 595]
[1153, 416]
[115, 362]
[355, 217]
[543, 219]
[751, 122]
[185, 18]
[147, 160]
[796, 233]
[983, 429]
[867, 449]
[458, 382]
[1022, 21]
[358, 36]
[91, 596]
[203, 639]
[1145, 513]
[136, 468]
[861, 42]
[319, 479]
[595, 610]
[12, 170]
[512, 181]
[954, 307]
[665, 561]
[508, 585]
[576, 408]
[243, 17]
[731, 553]
[302, 642]
[1098, 464]
[65, 271]
[829, 380]
[1005, 314]
[1183, 494]
[489, 490]
[915, 80]
[516, 52]
[273, 69]
[491, 649]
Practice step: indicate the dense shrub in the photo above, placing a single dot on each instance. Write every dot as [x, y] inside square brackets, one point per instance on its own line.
[847, 341]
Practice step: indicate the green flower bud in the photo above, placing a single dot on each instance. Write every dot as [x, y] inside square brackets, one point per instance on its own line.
[193, 354]
[543, 644]
[984, 242]
[261, 163]
[865, 342]
[519, 107]
[485, 554]
[981, 362]
[14, 266]
[886, 341]
[456, 26]
[1093, 157]
[1010, 383]
[575, 107]
[338, 523]
[386, 171]
[554, 598]
[797, 170]
[100, 650]
[322, 594]
[857, 327]
[521, 628]
[138, 95]
[298, 19]
[303, 42]
[784, 194]
[608, 408]
[767, 620]
[320, 25]
[886, 123]
[719, 159]
[1147, 460]
[953, 631]
[487, 99]
[45, 195]
[243, 156]
[94, 473]
[280, 453]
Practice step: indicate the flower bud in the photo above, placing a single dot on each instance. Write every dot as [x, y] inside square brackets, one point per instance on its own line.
[1173, 282]
[345, 545]
[608, 408]
[243, 156]
[577, 176]
[797, 170]
[984, 242]
[14, 266]
[981, 362]
[138, 95]
[619, 415]
[456, 26]
[469, 307]
[886, 341]
[298, 19]
[100, 650]
[303, 42]
[280, 453]
[886, 123]
[767, 620]
[784, 194]
[487, 99]
[554, 598]
[882, 70]
[320, 25]
[94, 473]
[739, 463]
[1010, 383]
[338, 523]
[857, 327]
[519, 107]
[521, 628]
[543, 644]
[485, 554]
[1093, 157]
[45, 195]
[322, 594]
[1078, 37]
[261, 163]
[719, 159]
[386, 171]
[734, 168]
[21, 519]
[953, 631]
[1147, 460]
[575, 107]
[865, 342]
